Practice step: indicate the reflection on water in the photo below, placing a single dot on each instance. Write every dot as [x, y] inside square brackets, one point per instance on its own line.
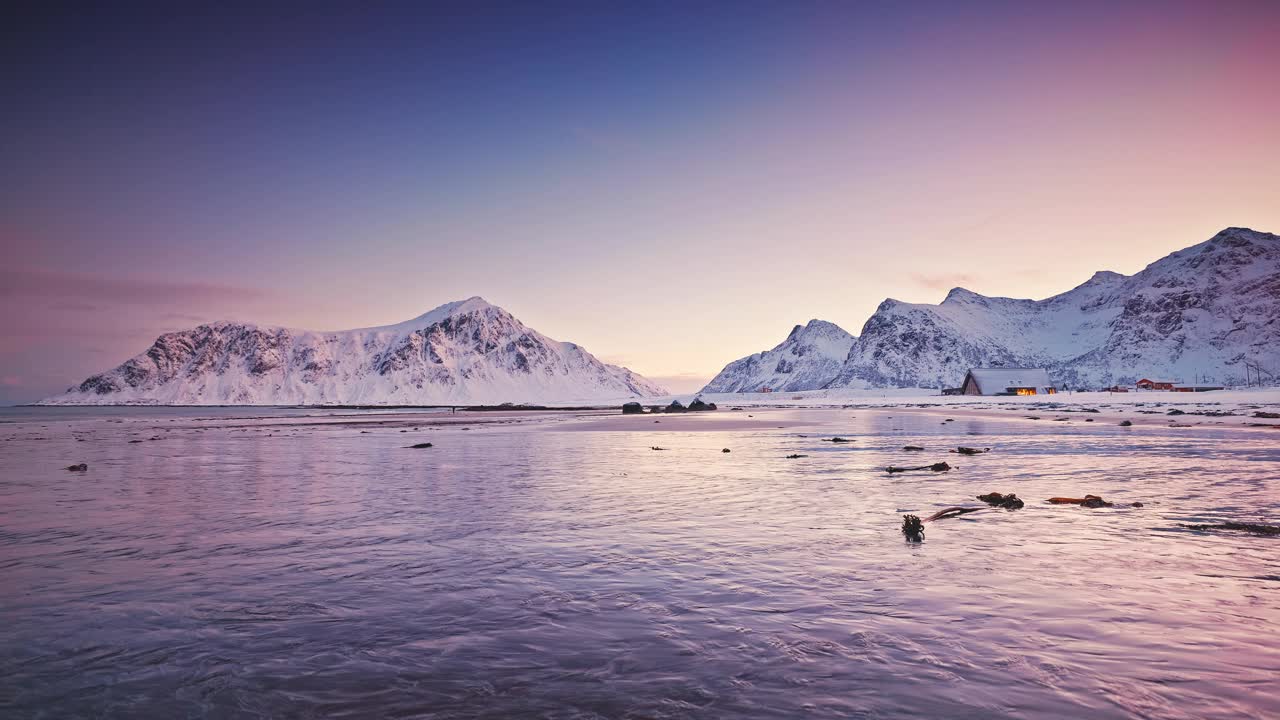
[279, 567]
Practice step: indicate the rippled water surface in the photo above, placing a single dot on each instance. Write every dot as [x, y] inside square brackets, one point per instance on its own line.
[295, 565]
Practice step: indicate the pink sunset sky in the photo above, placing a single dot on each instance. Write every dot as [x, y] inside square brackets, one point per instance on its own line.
[672, 191]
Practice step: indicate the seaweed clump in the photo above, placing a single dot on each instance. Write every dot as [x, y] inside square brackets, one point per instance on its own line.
[913, 528]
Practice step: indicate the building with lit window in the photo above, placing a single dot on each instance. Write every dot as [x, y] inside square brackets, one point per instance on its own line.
[1007, 381]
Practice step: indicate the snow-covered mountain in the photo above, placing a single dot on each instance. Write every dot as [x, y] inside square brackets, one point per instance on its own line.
[463, 352]
[1199, 313]
[810, 357]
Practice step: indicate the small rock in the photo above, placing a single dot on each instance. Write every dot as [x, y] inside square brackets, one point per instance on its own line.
[795, 457]
[912, 447]
[632, 408]
[725, 450]
[421, 446]
[1126, 423]
[655, 447]
[82, 467]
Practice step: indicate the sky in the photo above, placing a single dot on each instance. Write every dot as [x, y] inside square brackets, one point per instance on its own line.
[672, 186]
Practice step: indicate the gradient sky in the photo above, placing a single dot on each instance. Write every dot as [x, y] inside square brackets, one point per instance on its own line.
[672, 188]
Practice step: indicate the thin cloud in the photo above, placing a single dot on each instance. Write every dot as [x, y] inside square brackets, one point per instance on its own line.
[944, 281]
[67, 288]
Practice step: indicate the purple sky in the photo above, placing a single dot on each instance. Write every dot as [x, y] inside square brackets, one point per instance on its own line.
[671, 188]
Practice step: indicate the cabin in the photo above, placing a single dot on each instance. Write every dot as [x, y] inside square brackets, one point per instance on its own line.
[1147, 384]
[1196, 388]
[1007, 381]
[1117, 388]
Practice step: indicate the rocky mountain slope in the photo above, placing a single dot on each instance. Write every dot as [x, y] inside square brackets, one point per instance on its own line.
[1196, 314]
[463, 352]
[810, 357]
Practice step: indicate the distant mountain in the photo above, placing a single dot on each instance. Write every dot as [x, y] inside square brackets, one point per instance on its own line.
[460, 353]
[810, 358]
[1201, 313]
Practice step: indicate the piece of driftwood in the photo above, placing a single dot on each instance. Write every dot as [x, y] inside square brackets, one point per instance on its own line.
[951, 512]
[1256, 528]
[936, 467]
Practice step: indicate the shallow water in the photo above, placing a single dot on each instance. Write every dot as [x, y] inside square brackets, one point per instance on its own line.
[294, 566]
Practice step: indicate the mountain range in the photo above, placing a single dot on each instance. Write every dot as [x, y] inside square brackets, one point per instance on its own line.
[465, 352]
[1197, 314]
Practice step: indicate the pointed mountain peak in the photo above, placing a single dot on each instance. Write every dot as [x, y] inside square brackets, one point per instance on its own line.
[451, 309]
[959, 294]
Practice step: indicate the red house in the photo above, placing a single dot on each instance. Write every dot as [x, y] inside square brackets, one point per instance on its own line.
[1145, 384]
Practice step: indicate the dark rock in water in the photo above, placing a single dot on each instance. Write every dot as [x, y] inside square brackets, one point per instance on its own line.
[912, 528]
[970, 451]
[421, 446]
[838, 439]
[1246, 527]
[632, 408]
[1136, 504]
[655, 447]
[1008, 502]
[735, 409]
[725, 450]
[1126, 423]
[936, 467]
[82, 467]
[1175, 411]
[699, 406]
[794, 457]
[1267, 415]
[134, 441]
[912, 448]
[676, 407]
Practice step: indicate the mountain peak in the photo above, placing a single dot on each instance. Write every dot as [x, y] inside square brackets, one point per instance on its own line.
[1241, 236]
[472, 304]
[959, 294]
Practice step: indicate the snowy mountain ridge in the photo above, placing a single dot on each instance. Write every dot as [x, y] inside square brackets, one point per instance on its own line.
[463, 352]
[808, 359]
[1201, 312]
